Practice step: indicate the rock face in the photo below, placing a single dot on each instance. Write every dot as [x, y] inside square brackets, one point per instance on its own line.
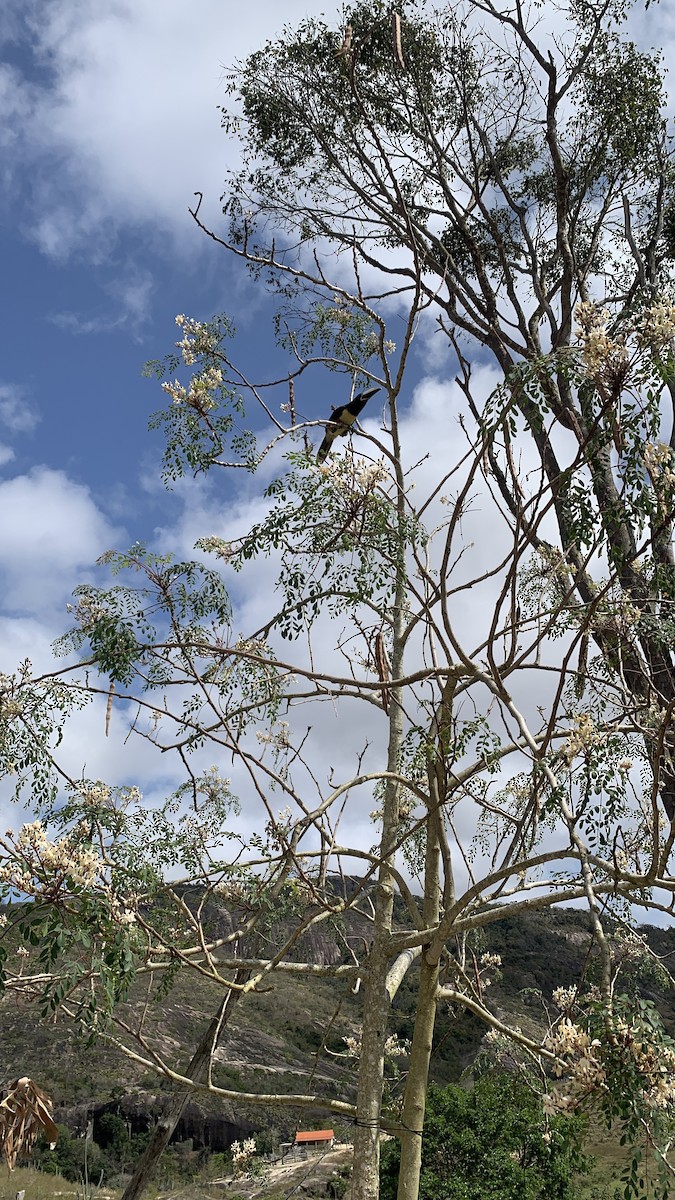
[215, 1131]
[209, 1129]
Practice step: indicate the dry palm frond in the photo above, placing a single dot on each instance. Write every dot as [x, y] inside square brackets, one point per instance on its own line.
[25, 1111]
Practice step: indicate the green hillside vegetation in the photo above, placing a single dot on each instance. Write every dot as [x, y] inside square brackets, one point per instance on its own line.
[294, 1032]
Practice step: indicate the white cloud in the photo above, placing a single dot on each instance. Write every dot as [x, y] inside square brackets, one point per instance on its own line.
[15, 107]
[132, 294]
[118, 123]
[16, 412]
[128, 128]
[51, 533]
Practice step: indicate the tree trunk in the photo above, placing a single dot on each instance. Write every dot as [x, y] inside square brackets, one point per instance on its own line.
[161, 1134]
[417, 1082]
[366, 1168]
[377, 1002]
[414, 1099]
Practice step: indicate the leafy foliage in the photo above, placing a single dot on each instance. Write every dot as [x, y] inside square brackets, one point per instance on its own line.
[492, 1143]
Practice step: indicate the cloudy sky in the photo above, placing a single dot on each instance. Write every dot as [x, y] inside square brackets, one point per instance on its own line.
[109, 124]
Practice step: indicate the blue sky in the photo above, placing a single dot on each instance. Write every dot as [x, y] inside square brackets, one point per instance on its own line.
[109, 123]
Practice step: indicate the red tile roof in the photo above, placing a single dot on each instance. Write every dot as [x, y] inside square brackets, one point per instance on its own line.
[315, 1135]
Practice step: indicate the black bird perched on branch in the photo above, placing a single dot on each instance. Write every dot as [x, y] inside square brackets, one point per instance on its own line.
[341, 421]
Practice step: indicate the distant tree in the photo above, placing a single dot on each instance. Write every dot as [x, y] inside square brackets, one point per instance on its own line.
[492, 1143]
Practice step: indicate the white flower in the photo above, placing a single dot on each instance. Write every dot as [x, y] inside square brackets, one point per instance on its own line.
[656, 326]
[490, 960]
[565, 998]
[583, 737]
[658, 460]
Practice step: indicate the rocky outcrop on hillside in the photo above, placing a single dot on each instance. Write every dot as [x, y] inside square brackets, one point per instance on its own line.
[289, 1035]
[141, 1110]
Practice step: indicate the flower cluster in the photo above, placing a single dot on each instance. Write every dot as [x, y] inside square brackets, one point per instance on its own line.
[40, 866]
[394, 1047]
[9, 683]
[197, 339]
[217, 546]
[96, 795]
[242, 1153]
[352, 475]
[606, 359]
[342, 317]
[199, 395]
[656, 325]
[565, 998]
[654, 1062]
[490, 960]
[658, 460]
[587, 1063]
[279, 737]
[577, 1058]
[88, 612]
[371, 344]
[372, 474]
[212, 784]
[353, 1045]
[583, 737]
[232, 889]
[253, 646]
[630, 944]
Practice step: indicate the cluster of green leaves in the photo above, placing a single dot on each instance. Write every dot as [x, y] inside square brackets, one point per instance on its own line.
[621, 92]
[445, 119]
[306, 65]
[343, 334]
[337, 543]
[111, 1152]
[180, 608]
[492, 1142]
[194, 438]
[89, 959]
[33, 714]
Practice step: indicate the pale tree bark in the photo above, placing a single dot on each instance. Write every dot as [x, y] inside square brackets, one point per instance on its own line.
[377, 1000]
[414, 1102]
